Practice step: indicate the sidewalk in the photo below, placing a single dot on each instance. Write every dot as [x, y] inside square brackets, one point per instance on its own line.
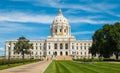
[37, 67]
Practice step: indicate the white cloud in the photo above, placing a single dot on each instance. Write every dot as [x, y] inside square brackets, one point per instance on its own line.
[24, 17]
[2, 49]
[82, 32]
[8, 27]
[46, 19]
[90, 5]
[113, 13]
[90, 20]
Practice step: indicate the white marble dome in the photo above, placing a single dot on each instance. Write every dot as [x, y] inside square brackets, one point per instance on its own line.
[60, 19]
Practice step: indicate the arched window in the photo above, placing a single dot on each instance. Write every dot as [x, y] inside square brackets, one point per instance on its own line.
[77, 47]
[55, 46]
[85, 47]
[61, 46]
[61, 53]
[55, 30]
[66, 46]
[55, 53]
[66, 53]
[60, 30]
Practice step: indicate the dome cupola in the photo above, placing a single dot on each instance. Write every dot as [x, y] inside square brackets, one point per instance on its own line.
[60, 26]
[60, 19]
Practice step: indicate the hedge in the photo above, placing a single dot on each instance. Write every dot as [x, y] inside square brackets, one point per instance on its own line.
[13, 61]
[96, 60]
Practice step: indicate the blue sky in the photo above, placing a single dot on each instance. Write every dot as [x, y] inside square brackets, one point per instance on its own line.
[32, 18]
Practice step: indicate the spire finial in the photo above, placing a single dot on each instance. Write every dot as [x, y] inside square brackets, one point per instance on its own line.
[60, 12]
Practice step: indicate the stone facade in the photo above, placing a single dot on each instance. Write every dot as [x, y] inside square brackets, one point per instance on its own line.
[60, 43]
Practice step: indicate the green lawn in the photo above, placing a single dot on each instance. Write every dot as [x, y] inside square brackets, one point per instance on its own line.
[73, 67]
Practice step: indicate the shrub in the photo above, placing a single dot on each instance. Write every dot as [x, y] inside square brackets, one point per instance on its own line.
[13, 61]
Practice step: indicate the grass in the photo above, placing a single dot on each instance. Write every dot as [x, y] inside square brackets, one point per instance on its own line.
[74, 67]
[13, 65]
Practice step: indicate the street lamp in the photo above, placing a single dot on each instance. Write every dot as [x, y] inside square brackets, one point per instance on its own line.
[8, 55]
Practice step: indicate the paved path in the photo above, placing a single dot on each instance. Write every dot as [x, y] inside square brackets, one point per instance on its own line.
[38, 67]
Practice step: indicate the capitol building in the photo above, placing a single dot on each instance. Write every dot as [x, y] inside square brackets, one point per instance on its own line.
[60, 45]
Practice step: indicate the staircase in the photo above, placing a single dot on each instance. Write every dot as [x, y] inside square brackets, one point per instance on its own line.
[63, 58]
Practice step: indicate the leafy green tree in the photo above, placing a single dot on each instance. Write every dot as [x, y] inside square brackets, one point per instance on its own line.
[23, 46]
[106, 41]
[115, 39]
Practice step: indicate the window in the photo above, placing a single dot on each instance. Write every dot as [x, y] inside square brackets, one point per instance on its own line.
[61, 53]
[36, 47]
[81, 47]
[55, 30]
[85, 47]
[49, 46]
[61, 46]
[81, 53]
[55, 53]
[77, 53]
[66, 46]
[77, 47]
[60, 30]
[40, 47]
[66, 53]
[49, 53]
[55, 46]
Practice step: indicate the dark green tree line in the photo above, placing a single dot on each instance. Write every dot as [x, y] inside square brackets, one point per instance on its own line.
[106, 41]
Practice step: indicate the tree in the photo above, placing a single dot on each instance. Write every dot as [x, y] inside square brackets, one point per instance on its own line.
[115, 37]
[23, 46]
[106, 41]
